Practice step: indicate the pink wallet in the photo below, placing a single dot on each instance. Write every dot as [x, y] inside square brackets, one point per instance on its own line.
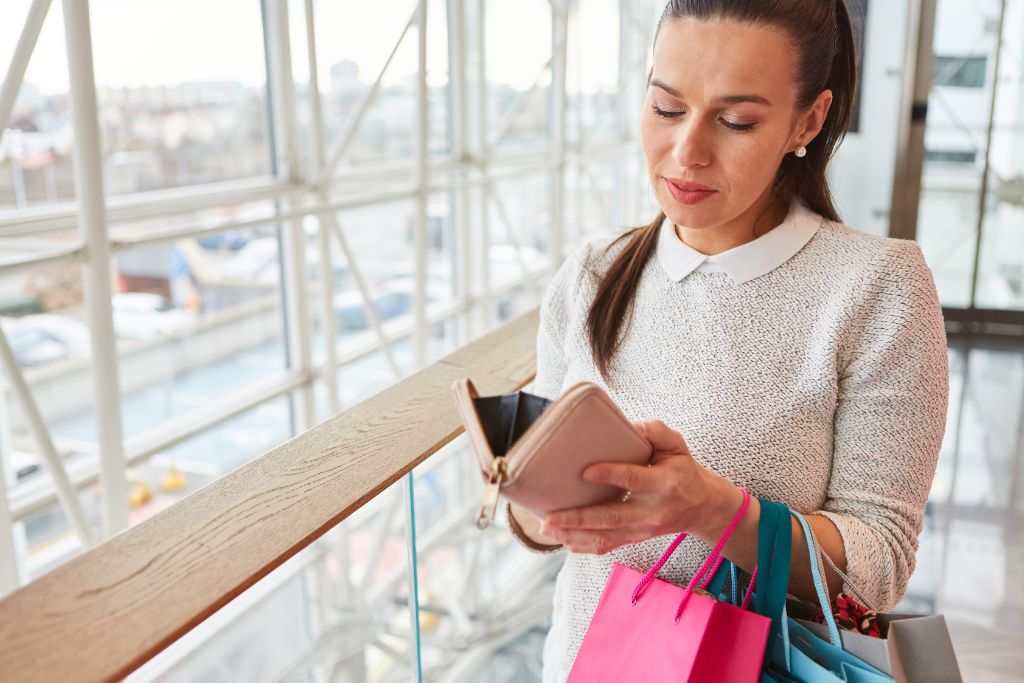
[533, 450]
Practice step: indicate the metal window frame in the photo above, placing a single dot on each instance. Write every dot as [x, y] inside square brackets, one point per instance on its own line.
[319, 190]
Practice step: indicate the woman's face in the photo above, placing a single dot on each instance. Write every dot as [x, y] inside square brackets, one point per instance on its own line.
[720, 112]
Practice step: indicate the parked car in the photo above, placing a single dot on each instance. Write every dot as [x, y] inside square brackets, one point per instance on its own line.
[138, 315]
[230, 240]
[392, 299]
[37, 340]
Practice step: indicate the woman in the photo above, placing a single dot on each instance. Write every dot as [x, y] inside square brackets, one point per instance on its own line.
[800, 358]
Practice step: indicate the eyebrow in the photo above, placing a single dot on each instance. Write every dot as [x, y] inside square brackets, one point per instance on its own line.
[726, 99]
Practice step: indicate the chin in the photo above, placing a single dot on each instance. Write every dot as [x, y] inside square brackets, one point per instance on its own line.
[694, 217]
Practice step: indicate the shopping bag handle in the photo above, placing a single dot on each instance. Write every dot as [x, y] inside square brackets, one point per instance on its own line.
[857, 593]
[714, 560]
[819, 582]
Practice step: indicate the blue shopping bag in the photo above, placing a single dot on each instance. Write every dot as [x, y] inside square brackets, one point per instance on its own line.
[794, 653]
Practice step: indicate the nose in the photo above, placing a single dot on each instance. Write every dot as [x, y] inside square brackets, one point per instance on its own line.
[690, 147]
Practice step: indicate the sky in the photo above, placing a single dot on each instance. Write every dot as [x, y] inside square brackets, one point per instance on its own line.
[165, 42]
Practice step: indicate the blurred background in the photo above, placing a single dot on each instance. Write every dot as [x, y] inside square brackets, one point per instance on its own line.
[285, 206]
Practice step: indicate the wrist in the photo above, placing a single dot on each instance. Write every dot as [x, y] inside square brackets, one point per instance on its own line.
[723, 500]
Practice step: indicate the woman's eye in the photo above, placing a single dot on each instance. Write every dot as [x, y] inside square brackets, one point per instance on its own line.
[669, 114]
[664, 113]
[738, 126]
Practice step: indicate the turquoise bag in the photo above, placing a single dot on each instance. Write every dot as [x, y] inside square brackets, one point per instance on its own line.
[795, 654]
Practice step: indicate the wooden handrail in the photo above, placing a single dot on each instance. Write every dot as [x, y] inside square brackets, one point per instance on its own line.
[106, 612]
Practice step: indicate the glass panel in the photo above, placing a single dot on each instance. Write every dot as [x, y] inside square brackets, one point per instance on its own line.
[1001, 267]
[968, 565]
[195, 319]
[485, 602]
[599, 201]
[593, 72]
[991, 429]
[520, 224]
[382, 240]
[174, 117]
[958, 113]
[36, 147]
[353, 43]
[518, 47]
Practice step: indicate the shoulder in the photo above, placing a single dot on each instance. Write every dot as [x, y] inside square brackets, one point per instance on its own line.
[872, 261]
[584, 263]
[893, 297]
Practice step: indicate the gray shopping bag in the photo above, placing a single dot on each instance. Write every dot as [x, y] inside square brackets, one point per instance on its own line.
[913, 648]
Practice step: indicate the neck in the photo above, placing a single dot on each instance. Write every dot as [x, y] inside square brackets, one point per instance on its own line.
[763, 216]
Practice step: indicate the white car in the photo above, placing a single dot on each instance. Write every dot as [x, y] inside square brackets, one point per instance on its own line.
[46, 338]
[138, 315]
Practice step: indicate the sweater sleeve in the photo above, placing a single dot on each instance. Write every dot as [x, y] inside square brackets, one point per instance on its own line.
[889, 423]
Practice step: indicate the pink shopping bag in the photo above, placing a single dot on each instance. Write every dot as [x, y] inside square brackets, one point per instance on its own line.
[646, 629]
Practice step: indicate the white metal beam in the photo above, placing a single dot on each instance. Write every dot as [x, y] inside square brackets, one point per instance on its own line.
[463, 240]
[328, 319]
[66, 494]
[158, 204]
[97, 273]
[293, 235]
[559, 56]
[420, 237]
[11, 532]
[484, 256]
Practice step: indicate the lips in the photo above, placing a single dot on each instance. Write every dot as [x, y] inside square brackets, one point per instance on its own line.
[689, 193]
[685, 186]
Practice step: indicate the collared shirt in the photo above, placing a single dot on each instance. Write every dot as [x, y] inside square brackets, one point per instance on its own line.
[747, 261]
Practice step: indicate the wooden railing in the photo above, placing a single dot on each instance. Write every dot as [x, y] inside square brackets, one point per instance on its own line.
[103, 614]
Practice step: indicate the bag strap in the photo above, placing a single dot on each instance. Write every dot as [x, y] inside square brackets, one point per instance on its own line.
[774, 546]
[727, 570]
[819, 582]
[822, 555]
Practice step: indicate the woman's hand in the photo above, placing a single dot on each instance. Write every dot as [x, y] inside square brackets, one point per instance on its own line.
[673, 494]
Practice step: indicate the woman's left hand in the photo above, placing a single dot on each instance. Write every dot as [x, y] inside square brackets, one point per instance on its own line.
[673, 494]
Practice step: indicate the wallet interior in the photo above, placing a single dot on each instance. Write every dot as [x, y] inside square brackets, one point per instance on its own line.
[504, 418]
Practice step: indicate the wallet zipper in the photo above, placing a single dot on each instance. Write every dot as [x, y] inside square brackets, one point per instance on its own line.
[490, 502]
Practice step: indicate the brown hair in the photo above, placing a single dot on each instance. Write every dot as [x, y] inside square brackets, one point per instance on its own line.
[827, 60]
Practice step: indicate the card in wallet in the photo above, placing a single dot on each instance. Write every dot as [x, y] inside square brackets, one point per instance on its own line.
[533, 450]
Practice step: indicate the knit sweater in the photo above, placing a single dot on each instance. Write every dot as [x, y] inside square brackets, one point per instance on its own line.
[821, 383]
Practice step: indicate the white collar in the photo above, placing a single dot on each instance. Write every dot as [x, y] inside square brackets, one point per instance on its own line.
[747, 261]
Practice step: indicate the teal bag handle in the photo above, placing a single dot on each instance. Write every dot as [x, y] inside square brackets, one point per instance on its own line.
[774, 546]
[718, 581]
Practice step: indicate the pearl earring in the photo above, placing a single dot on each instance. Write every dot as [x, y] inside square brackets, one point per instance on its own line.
[802, 152]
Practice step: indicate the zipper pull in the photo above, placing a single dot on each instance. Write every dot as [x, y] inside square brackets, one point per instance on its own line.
[490, 502]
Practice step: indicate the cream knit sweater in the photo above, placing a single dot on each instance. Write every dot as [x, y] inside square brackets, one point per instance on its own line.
[821, 384]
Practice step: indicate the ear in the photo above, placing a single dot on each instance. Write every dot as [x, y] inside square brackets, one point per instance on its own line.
[809, 123]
